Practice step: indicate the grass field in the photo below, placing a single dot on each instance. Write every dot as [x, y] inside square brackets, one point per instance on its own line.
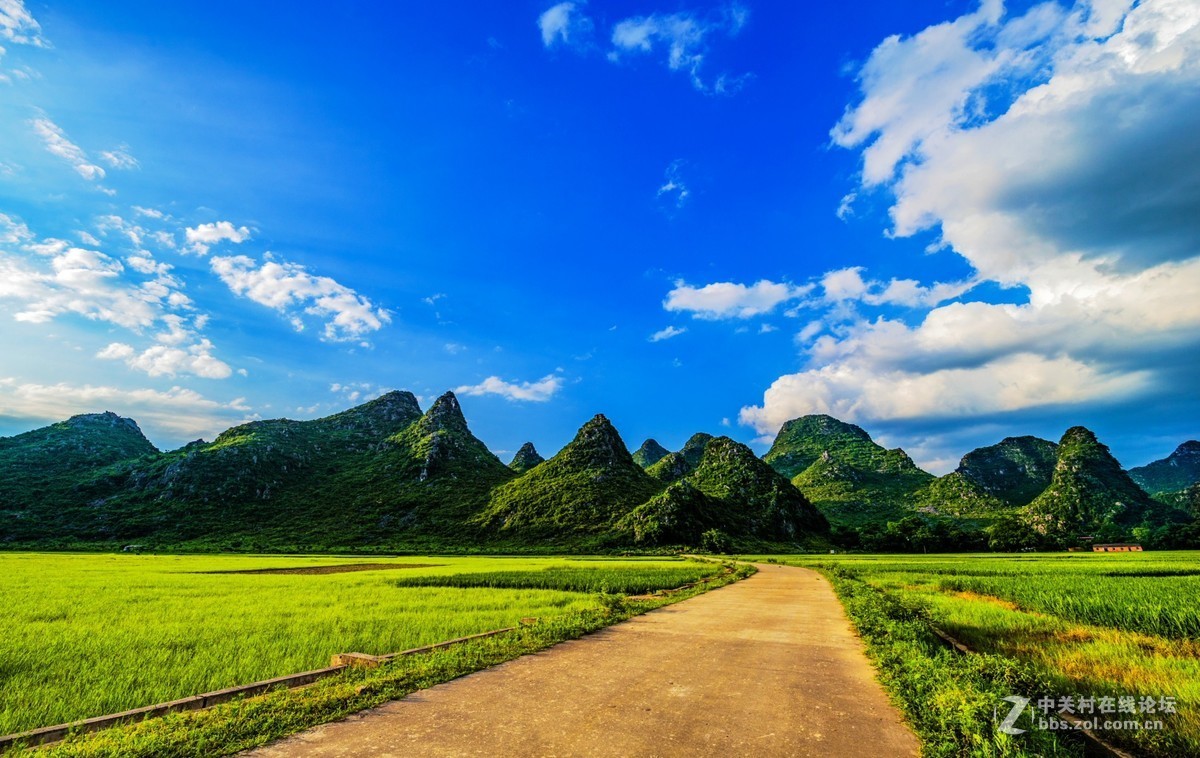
[86, 635]
[1091, 625]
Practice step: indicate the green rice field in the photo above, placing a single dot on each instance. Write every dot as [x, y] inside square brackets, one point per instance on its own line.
[87, 635]
[1069, 624]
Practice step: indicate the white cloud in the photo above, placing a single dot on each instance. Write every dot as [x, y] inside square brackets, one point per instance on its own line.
[50, 278]
[57, 143]
[538, 392]
[684, 37]
[565, 24]
[673, 187]
[844, 284]
[845, 208]
[861, 392]
[1055, 152]
[847, 284]
[290, 289]
[202, 237]
[120, 158]
[153, 213]
[13, 231]
[167, 360]
[810, 330]
[666, 334]
[722, 300]
[83, 282]
[358, 392]
[116, 351]
[178, 412]
[17, 25]
[681, 38]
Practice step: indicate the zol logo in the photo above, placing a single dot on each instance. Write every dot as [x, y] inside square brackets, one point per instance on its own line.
[1008, 725]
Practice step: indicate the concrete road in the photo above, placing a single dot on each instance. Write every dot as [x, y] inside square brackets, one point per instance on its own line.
[768, 666]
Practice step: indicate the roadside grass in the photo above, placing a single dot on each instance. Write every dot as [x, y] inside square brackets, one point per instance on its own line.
[249, 723]
[88, 635]
[949, 699]
[1084, 659]
[1092, 625]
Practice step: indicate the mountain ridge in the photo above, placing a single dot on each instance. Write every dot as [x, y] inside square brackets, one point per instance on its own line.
[387, 473]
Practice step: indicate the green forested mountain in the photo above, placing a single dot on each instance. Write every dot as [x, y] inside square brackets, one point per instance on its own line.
[670, 468]
[81, 442]
[849, 477]
[385, 476]
[1088, 491]
[360, 477]
[649, 453]
[1015, 470]
[526, 458]
[729, 492]
[994, 479]
[1186, 501]
[40, 470]
[583, 490]
[1175, 473]
[693, 450]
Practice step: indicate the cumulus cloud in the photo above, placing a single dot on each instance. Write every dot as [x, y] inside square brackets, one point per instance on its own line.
[178, 412]
[168, 360]
[116, 351]
[848, 284]
[1055, 152]
[84, 282]
[666, 334]
[722, 300]
[292, 290]
[202, 237]
[17, 25]
[50, 278]
[539, 392]
[56, 142]
[683, 37]
[854, 391]
[565, 24]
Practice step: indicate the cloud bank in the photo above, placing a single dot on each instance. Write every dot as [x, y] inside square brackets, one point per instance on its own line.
[1055, 152]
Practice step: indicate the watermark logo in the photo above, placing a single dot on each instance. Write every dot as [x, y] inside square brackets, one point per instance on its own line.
[1009, 724]
[1086, 712]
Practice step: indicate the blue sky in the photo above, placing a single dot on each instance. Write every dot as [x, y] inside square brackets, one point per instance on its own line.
[946, 222]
